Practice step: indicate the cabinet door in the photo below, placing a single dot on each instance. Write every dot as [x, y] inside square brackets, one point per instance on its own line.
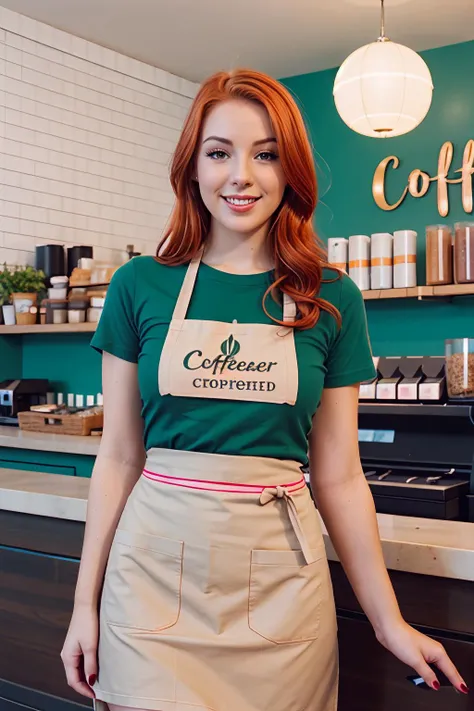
[36, 599]
[53, 462]
[373, 680]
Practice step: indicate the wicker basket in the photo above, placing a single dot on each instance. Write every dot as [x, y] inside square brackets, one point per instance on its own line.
[60, 424]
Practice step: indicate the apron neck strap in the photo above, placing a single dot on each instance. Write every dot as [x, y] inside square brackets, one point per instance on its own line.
[182, 303]
[289, 308]
[185, 294]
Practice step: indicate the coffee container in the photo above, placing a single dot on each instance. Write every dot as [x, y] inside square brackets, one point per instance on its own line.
[381, 260]
[337, 252]
[359, 260]
[439, 255]
[460, 367]
[50, 258]
[74, 254]
[404, 259]
[464, 252]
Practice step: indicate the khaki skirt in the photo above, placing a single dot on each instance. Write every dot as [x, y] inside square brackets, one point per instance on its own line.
[217, 594]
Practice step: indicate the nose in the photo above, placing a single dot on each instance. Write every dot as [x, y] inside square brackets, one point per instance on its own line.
[241, 173]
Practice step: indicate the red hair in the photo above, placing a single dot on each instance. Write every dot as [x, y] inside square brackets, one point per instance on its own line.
[299, 256]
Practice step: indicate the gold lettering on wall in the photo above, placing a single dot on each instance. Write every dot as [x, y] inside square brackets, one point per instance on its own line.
[419, 180]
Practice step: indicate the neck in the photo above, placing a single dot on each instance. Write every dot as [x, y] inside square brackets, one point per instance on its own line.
[238, 253]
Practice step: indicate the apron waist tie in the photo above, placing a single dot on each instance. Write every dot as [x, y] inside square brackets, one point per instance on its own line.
[280, 492]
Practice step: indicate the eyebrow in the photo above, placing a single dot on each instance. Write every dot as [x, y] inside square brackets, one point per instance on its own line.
[219, 139]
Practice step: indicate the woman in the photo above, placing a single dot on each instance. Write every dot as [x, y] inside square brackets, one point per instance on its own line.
[217, 592]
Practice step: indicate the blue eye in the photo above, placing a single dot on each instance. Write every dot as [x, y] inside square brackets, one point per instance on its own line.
[267, 156]
[217, 154]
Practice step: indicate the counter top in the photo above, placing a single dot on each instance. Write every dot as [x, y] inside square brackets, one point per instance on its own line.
[414, 545]
[67, 444]
[43, 494]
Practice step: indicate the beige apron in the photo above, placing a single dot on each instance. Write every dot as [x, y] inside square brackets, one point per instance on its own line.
[217, 594]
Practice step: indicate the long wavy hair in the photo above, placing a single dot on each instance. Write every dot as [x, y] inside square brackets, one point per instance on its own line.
[299, 256]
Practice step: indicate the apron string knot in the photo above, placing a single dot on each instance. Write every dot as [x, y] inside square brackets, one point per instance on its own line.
[280, 492]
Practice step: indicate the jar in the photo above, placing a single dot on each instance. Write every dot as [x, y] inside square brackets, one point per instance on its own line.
[459, 353]
[56, 293]
[337, 252]
[404, 259]
[464, 252]
[77, 310]
[94, 314]
[439, 255]
[359, 260]
[56, 311]
[381, 260]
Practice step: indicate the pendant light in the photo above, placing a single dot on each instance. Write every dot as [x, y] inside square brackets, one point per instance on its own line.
[383, 89]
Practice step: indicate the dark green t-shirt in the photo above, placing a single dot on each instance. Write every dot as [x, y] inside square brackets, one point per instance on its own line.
[134, 324]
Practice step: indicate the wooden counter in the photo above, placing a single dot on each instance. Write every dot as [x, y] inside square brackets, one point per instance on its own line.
[41, 528]
[414, 545]
[71, 444]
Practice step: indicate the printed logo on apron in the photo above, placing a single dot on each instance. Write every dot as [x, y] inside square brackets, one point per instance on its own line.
[214, 359]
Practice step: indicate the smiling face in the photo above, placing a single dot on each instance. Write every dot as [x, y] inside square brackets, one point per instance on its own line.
[239, 172]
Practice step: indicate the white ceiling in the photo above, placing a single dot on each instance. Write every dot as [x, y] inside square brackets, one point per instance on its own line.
[194, 38]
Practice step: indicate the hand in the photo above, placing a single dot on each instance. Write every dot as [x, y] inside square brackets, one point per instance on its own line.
[417, 651]
[79, 654]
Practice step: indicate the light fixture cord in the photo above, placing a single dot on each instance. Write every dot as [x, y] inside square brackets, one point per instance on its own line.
[382, 21]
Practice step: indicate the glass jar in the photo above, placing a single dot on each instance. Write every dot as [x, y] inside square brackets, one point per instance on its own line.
[464, 252]
[439, 255]
[459, 353]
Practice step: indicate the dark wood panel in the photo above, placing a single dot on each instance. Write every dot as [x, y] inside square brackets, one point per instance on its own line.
[374, 680]
[42, 534]
[15, 697]
[440, 603]
[36, 601]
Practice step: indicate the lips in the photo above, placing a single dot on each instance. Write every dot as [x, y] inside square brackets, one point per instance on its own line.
[240, 201]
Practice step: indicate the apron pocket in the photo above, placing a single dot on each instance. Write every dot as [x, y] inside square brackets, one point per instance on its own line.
[142, 587]
[285, 595]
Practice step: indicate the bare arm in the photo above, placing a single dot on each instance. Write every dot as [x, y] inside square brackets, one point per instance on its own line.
[117, 468]
[346, 505]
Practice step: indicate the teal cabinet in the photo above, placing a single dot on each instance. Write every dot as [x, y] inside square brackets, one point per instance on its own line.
[51, 462]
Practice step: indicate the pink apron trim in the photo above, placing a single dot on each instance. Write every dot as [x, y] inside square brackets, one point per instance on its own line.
[219, 486]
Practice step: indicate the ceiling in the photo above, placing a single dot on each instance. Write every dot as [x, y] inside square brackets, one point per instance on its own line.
[194, 38]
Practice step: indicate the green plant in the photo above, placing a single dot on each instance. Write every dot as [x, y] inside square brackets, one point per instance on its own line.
[27, 280]
[6, 285]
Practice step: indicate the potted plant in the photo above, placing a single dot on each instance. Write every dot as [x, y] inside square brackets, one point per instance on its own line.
[27, 284]
[7, 312]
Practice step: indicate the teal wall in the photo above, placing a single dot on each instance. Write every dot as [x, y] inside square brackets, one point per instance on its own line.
[66, 360]
[346, 163]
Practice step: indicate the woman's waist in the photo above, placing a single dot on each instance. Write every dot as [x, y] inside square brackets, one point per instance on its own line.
[214, 472]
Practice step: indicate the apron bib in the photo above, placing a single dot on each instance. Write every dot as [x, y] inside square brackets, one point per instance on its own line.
[228, 361]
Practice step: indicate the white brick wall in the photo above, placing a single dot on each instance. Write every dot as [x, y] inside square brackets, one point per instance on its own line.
[86, 137]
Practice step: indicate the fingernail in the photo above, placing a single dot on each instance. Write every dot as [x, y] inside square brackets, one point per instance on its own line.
[92, 679]
[464, 689]
[436, 685]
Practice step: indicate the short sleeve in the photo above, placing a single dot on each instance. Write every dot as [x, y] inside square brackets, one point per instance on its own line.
[350, 356]
[116, 331]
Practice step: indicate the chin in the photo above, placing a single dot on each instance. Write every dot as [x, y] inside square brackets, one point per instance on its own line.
[243, 226]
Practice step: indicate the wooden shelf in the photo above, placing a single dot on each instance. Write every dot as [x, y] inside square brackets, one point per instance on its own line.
[48, 328]
[88, 285]
[420, 292]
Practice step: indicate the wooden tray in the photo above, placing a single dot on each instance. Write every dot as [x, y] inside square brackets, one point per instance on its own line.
[59, 424]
